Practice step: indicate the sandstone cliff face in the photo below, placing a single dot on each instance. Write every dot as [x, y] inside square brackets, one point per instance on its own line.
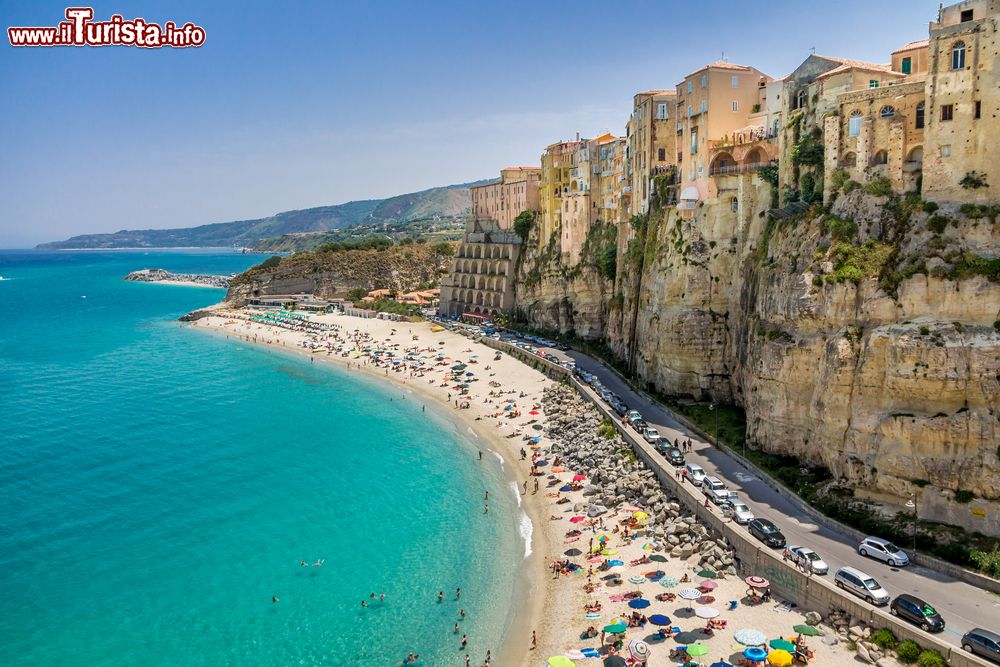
[862, 339]
[336, 273]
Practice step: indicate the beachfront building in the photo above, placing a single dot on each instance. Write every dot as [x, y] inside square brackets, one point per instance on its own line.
[503, 200]
[713, 104]
[481, 280]
[651, 146]
[962, 102]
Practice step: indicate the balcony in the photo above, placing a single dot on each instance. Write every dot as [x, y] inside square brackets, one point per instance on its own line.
[747, 168]
[627, 190]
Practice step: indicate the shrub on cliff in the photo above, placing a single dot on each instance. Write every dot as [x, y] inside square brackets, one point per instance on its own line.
[930, 658]
[987, 562]
[908, 652]
[880, 186]
[523, 223]
[884, 639]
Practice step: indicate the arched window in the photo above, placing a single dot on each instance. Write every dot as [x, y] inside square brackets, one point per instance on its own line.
[849, 160]
[887, 112]
[800, 99]
[919, 116]
[881, 157]
[854, 124]
[958, 55]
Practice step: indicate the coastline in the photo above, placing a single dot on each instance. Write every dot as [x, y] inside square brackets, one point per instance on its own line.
[534, 599]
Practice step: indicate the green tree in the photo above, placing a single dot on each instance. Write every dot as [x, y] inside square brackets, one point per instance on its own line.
[523, 223]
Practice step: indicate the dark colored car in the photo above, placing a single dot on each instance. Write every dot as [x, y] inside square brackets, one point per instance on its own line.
[982, 642]
[620, 408]
[767, 532]
[674, 455]
[640, 425]
[918, 612]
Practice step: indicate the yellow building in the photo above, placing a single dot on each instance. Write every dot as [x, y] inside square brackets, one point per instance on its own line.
[713, 103]
[557, 163]
[963, 100]
[651, 145]
[611, 164]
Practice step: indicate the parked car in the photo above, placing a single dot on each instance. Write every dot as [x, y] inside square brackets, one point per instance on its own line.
[982, 642]
[737, 509]
[883, 550]
[639, 425]
[768, 533]
[620, 408]
[861, 584]
[713, 483]
[632, 415]
[674, 455]
[695, 473]
[918, 612]
[650, 435]
[805, 557]
[717, 496]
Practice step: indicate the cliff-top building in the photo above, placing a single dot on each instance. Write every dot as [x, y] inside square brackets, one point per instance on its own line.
[651, 145]
[503, 200]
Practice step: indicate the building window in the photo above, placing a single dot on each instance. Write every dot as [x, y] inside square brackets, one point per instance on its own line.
[704, 81]
[734, 204]
[690, 86]
[907, 66]
[854, 124]
[873, 83]
[800, 99]
[958, 56]
[920, 116]
[946, 150]
[661, 111]
[966, 15]
[881, 157]
[947, 111]
[689, 111]
[694, 141]
[887, 112]
[661, 154]
[736, 105]
[979, 109]
[704, 106]
[736, 82]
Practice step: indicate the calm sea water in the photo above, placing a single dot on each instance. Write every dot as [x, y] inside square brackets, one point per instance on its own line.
[160, 485]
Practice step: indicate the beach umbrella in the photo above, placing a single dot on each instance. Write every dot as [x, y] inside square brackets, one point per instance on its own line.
[537, 427]
[612, 563]
[708, 574]
[754, 654]
[721, 663]
[668, 582]
[757, 582]
[579, 478]
[616, 628]
[560, 661]
[602, 538]
[637, 579]
[706, 599]
[659, 619]
[695, 650]
[708, 585]
[641, 516]
[706, 612]
[533, 412]
[576, 519]
[750, 637]
[638, 603]
[658, 558]
[614, 661]
[807, 630]
[572, 552]
[689, 593]
[639, 650]
[781, 644]
[779, 658]
[648, 546]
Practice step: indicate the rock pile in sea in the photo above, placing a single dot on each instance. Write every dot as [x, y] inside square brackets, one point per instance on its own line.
[616, 478]
[162, 275]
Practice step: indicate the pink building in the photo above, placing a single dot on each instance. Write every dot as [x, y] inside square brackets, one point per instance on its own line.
[503, 200]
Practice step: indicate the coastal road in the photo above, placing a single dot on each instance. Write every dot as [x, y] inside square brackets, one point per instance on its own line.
[962, 605]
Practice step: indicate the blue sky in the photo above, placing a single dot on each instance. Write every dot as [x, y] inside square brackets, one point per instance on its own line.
[298, 104]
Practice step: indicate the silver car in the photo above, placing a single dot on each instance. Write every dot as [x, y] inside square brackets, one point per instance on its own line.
[883, 550]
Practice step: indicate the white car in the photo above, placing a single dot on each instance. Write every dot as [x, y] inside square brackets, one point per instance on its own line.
[883, 550]
[651, 435]
[738, 510]
[805, 558]
[695, 473]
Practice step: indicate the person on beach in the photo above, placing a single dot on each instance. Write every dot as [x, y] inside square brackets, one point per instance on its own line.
[458, 593]
[465, 640]
[461, 613]
[480, 455]
[486, 510]
[534, 640]
[456, 628]
[468, 661]
[381, 597]
[524, 490]
[364, 604]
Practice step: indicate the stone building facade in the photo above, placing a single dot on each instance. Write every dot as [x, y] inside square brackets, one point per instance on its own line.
[481, 281]
[503, 200]
[651, 145]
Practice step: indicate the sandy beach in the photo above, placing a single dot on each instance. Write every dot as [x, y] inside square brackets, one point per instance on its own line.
[583, 572]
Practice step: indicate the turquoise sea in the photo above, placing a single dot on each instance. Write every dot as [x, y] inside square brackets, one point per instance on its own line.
[160, 485]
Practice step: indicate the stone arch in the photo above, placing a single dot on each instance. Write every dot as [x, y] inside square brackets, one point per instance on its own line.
[881, 156]
[887, 111]
[721, 163]
[755, 156]
[916, 154]
[850, 159]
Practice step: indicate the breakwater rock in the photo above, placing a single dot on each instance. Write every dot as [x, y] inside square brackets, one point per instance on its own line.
[164, 276]
[617, 479]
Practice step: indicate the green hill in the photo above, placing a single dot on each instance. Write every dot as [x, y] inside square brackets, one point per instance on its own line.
[445, 202]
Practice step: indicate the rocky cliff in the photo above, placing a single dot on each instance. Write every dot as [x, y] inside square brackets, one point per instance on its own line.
[337, 273]
[864, 337]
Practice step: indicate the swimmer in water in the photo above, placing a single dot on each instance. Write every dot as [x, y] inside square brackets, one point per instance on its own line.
[319, 563]
[274, 598]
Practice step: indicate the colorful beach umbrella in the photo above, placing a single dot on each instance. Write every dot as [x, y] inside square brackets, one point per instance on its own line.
[708, 585]
[638, 603]
[639, 650]
[695, 650]
[641, 516]
[757, 582]
[807, 630]
[614, 661]
[706, 612]
[637, 579]
[689, 593]
[781, 644]
[560, 661]
[750, 637]
[668, 582]
[754, 654]
[779, 658]
[659, 619]
[579, 478]
[721, 663]
[616, 628]
[658, 558]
